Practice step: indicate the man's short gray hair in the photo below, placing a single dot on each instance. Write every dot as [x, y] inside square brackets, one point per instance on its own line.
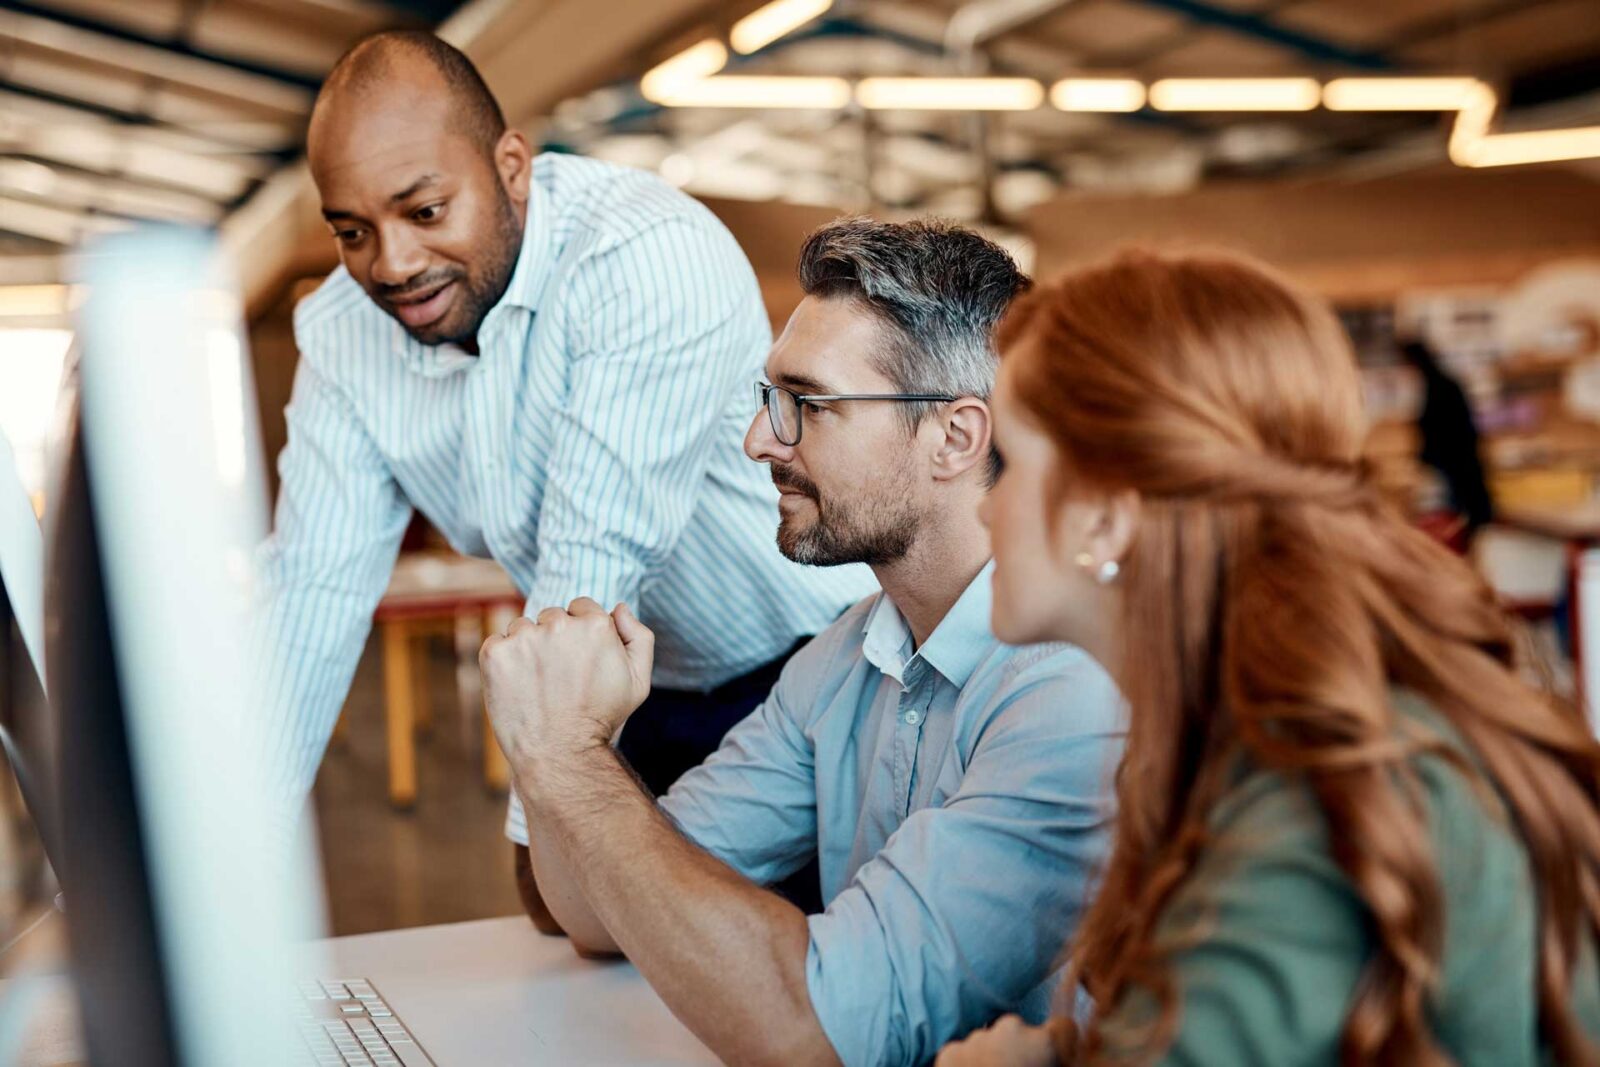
[939, 288]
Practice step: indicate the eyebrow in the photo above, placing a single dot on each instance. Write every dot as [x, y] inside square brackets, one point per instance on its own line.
[414, 188]
[801, 383]
[403, 195]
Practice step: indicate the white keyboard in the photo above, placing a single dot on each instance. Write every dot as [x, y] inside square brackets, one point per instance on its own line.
[345, 1023]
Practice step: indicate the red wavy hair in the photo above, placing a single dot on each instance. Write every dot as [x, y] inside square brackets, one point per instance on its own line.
[1276, 602]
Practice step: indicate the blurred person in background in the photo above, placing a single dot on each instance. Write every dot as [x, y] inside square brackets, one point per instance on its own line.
[1347, 831]
[1449, 444]
[550, 358]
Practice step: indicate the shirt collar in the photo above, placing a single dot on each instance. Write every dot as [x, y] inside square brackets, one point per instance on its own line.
[524, 290]
[954, 649]
[534, 262]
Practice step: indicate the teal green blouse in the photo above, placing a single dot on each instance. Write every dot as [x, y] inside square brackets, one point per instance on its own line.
[1278, 938]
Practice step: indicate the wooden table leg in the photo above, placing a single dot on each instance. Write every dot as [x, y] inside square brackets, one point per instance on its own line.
[421, 648]
[496, 771]
[400, 714]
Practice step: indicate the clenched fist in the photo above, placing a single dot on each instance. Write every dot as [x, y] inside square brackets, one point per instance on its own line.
[567, 680]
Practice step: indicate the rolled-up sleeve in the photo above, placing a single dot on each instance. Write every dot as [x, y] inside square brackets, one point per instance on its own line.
[965, 911]
[753, 803]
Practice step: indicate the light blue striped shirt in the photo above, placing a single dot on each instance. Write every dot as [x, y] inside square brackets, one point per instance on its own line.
[957, 797]
[593, 448]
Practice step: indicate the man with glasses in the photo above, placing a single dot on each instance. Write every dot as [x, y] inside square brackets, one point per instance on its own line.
[954, 789]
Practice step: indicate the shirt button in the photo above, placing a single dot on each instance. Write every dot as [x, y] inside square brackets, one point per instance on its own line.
[913, 717]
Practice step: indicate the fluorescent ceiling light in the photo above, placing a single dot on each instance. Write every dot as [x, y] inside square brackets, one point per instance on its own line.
[766, 24]
[1235, 94]
[950, 94]
[1098, 94]
[1472, 122]
[758, 92]
[1399, 94]
[688, 66]
[1534, 146]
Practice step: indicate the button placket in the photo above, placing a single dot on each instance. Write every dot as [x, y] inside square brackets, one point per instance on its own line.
[910, 715]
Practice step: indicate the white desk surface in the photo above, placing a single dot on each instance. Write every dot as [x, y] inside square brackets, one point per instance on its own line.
[490, 993]
[497, 992]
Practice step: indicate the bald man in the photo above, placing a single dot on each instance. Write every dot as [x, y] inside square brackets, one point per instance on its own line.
[551, 358]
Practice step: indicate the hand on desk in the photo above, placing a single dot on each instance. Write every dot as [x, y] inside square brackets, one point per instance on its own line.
[567, 681]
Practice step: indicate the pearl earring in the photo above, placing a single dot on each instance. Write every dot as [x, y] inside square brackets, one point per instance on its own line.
[1104, 573]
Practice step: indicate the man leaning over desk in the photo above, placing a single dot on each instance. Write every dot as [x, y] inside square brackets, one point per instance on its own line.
[550, 358]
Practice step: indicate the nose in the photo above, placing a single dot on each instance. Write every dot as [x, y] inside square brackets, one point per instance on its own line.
[762, 445]
[400, 257]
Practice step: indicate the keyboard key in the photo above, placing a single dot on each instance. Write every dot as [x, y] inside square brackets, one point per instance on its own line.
[412, 1056]
[365, 1032]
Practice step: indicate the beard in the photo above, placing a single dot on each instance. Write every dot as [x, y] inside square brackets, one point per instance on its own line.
[876, 531]
[480, 290]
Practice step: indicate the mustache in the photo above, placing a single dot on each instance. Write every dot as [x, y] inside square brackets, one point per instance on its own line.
[431, 280]
[790, 480]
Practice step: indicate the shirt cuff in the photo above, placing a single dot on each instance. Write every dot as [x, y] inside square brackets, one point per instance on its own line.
[516, 821]
[849, 991]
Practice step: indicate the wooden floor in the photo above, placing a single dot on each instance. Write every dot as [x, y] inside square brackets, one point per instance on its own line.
[445, 861]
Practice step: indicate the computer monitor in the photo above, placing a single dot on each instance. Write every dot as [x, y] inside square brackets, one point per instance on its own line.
[185, 919]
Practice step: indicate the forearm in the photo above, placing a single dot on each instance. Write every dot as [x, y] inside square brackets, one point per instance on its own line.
[557, 889]
[727, 956]
[532, 899]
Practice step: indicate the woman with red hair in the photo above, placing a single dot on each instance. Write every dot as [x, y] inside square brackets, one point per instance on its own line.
[1347, 830]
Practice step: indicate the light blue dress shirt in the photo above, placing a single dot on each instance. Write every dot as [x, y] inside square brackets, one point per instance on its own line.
[958, 798]
[593, 447]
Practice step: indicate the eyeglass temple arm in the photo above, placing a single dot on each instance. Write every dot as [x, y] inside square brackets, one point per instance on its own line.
[871, 396]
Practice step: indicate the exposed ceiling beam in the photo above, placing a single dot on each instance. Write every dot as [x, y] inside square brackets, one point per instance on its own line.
[173, 45]
[121, 150]
[1262, 28]
[135, 118]
[51, 223]
[21, 22]
[34, 179]
[154, 185]
[75, 206]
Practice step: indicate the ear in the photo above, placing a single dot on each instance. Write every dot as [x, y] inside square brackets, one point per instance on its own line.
[1111, 524]
[967, 428]
[513, 163]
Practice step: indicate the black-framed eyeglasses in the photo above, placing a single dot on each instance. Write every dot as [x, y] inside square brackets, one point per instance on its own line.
[785, 405]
